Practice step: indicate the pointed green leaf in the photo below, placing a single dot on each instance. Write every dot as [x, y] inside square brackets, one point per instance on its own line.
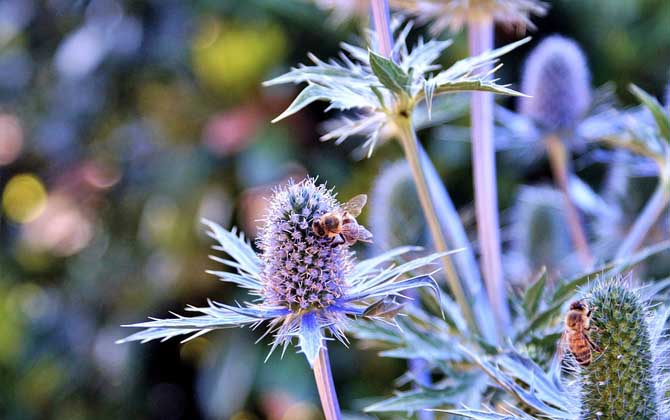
[468, 85]
[656, 109]
[311, 93]
[389, 74]
[533, 297]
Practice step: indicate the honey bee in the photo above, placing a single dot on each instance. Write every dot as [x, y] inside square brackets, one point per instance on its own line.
[341, 224]
[576, 334]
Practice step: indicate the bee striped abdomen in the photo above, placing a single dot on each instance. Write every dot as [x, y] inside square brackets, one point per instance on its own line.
[580, 349]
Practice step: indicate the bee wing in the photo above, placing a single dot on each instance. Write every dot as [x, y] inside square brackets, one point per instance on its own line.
[562, 346]
[354, 230]
[355, 205]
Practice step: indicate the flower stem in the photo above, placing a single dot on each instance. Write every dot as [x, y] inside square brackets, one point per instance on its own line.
[651, 212]
[381, 18]
[558, 159]
[410, 147]
[480, 39]
[324, 382]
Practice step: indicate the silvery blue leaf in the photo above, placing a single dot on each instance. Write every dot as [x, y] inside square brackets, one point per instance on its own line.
[310, 336]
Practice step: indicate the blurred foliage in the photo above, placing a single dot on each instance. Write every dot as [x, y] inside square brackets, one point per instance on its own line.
[122, 123]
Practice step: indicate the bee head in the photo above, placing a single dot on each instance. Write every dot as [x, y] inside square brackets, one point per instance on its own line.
[578, 306]
[318, 228]
[331, 222]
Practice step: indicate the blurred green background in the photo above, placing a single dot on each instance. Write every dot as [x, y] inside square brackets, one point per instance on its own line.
[123, 123]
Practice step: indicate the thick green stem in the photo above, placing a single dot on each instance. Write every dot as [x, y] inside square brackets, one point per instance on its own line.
[560, 167]
[480, 37]
[410, 146]
[324, 383]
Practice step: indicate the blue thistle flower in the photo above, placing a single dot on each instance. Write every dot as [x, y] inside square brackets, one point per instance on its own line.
[304, 285]
[557, 80]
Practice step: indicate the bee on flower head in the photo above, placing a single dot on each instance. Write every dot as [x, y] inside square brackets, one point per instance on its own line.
[576, 335]
[340, 224]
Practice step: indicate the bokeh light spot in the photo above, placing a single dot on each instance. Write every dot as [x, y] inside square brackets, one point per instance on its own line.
[11, 139]
[24, 198]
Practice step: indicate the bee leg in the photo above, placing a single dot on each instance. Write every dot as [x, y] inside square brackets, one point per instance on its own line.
[593, 345]
[338, 240]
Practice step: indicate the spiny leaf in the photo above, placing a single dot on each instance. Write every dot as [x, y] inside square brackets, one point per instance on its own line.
[311, 93]
[389, 74]
[470, 84]
[417, 400]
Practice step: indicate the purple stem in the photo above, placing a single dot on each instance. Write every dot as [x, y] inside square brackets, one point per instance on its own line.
[381, 18]
[324, 382]
[480, 39]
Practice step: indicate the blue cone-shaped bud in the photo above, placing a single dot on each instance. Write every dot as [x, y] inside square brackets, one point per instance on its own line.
[557, 79]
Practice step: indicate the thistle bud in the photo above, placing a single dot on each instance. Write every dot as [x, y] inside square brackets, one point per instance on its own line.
[301, 271]
[539, 236]
[395, 212]
[556, 77]
[620, 382]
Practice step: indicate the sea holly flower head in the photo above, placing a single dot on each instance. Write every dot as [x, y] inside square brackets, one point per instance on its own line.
[376, 91]
[557, 78]
[454, 14]
[304, 286]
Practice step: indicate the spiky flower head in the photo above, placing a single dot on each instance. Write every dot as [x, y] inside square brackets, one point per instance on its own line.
[557, 80]
[300, 269]
[304, 285]
[623, 379]
[454, 14]
[539, 236]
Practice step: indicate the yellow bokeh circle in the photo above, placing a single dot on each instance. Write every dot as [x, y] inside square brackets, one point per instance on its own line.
[24, 198]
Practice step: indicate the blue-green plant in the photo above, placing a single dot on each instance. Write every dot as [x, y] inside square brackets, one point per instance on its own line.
[384, 92]
[558, 81]
[303, 287]
[480, 16]
[522, 377]
[644, 131]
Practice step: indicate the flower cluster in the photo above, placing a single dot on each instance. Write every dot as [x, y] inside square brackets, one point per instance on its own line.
[454, 14]
[300, 269]
[304, 283]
